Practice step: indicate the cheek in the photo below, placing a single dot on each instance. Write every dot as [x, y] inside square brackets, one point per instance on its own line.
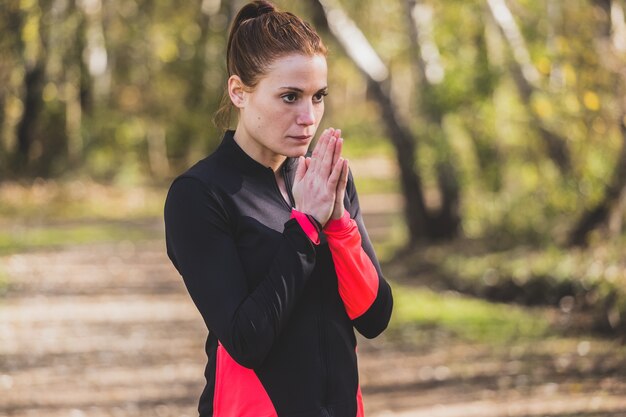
[319, 113]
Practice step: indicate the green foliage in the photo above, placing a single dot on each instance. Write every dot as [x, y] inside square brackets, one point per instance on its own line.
[591, 281]
[130, 88]
[472, 319]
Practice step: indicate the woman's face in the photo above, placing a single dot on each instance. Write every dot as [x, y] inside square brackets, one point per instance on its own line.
[280, 115]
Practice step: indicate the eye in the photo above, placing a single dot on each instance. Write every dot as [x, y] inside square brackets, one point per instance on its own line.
[289, 98]
[319, 97]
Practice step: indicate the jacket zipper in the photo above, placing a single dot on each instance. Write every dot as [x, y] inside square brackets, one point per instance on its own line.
[323, 347]
[287, 186]
[321, 314]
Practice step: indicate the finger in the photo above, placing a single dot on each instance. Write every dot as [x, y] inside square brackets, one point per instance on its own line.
[340, 193]
[343, 180]
[337, 134]
[338, 149]
[335, 175]
[318, 151]
[326, 164]
[301, 170]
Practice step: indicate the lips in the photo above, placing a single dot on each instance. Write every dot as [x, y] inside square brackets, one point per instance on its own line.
[301, 137]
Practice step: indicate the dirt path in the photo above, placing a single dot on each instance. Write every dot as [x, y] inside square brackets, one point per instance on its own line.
[108, 330]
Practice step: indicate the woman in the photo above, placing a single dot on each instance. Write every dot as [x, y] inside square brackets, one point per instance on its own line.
[270, 244]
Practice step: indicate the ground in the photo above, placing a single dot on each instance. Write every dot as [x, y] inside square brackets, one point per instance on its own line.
[108, 330]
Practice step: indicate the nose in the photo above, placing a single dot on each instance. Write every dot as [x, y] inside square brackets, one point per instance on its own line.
[306, 115]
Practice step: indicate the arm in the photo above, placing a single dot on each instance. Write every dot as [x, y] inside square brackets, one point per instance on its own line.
[200, 245]
[365, 293]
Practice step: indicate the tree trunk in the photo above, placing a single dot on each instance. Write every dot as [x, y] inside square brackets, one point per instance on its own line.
[614, 194]
[526, 79]
[197, 93]
[33, 104]
[85, 86]
[429, 71]
[3, 149]
[414, 208]
[611, 208]
[363, 55]
[556, 146]
[97, 57]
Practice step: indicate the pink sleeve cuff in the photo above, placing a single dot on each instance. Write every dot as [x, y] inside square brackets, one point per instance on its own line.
[306, 225]
[338, 225]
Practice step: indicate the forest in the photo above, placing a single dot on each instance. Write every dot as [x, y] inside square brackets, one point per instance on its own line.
[505, 120]
[488, 142]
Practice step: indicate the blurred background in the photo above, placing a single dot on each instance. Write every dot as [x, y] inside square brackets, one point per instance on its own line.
[488, 143]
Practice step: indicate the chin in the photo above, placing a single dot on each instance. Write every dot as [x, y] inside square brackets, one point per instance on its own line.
[296, 151]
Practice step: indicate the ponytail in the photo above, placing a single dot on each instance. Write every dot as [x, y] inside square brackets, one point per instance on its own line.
[249, 11]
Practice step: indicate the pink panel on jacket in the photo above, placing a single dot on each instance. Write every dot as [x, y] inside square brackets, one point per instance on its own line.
[238, 391]
[306, 225]
[359, 403]
[356, 275]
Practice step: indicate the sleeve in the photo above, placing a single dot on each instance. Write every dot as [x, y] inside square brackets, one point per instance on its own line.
[362, 287]
[200, 244]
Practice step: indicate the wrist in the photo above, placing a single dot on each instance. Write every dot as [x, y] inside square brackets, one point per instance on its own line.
[309, 225]
[339, 223]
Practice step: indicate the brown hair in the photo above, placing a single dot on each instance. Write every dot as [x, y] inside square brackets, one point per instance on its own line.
[259, 35]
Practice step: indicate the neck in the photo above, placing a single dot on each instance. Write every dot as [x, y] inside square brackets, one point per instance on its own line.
[262, 155]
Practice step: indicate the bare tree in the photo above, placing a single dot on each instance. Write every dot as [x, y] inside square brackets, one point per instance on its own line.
[329, 15]
[430, 72]
[424, 224]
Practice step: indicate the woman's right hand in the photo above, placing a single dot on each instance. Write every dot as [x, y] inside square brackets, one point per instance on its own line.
[316, 178]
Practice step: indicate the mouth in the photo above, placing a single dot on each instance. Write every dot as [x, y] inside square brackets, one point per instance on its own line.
[301, 137]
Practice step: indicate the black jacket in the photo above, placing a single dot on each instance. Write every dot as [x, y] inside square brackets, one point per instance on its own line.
[265, 291]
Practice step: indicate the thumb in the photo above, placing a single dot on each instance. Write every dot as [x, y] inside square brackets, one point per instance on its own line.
[300, 171]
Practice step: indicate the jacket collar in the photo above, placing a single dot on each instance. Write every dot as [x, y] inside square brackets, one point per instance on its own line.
[244, 162]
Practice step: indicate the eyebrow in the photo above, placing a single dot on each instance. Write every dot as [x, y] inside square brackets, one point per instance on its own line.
[299, 90]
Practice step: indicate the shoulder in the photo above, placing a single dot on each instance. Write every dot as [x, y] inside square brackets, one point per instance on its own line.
[207, 171]
[215, 172]
[202, 183]
[192, 197]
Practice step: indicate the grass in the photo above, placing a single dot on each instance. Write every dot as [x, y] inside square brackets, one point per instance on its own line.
[4, 281]
[587, 281]
[49, 213]
[50, 200]
[471, 319]
[20, 239]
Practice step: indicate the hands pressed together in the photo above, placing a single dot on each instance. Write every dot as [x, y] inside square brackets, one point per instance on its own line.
[320, 181]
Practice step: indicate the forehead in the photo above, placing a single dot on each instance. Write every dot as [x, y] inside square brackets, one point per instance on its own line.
[296, 70]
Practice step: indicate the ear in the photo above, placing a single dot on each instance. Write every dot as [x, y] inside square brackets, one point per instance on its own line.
[236, 91]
